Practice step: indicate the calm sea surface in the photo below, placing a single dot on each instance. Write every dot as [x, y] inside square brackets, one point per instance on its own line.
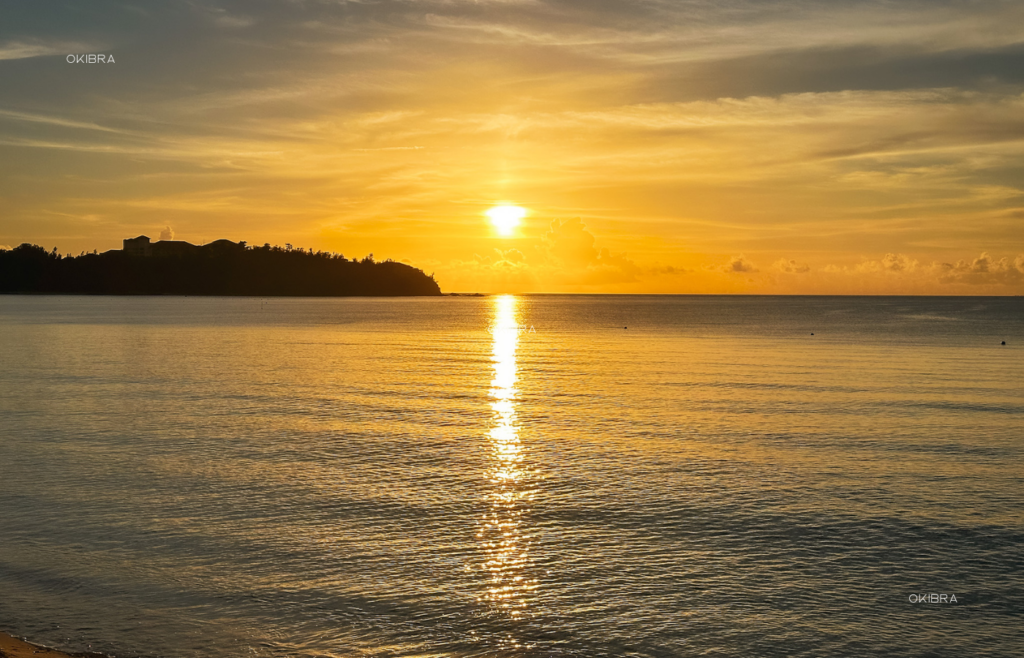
[513, 476]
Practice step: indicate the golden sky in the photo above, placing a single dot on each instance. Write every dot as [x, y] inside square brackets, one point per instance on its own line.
[658, 146]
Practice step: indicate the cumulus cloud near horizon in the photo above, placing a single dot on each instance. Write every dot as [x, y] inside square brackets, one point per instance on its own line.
[889, 263]
[569, 244]
[791, 266]
[984, 270]
[739, 264]
[897, 273]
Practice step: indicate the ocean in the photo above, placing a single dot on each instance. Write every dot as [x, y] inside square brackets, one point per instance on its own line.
[539, 475]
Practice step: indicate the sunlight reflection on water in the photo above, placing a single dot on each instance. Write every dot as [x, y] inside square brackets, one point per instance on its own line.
[505, 546]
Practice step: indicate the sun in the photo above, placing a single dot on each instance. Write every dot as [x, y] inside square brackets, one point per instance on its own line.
[506, 217]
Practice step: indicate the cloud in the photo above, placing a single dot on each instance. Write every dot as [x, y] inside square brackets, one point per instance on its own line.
[822, 70]
[569, 245]
[739, 264]
[983, 270]
[508, 261]
[25, 49]
[903, 274]
[167, 233]
[511, 255]
[234, 21]
[666, 270]
[898, 263]
[791, 266]
[497, 271]
[889, 263]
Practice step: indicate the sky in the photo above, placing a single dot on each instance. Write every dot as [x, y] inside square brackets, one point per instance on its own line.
[657, 146]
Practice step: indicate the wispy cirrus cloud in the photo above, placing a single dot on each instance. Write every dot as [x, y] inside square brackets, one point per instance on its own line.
[31, 47]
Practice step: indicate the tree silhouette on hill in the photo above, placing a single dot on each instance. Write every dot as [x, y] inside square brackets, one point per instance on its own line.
[219, 268]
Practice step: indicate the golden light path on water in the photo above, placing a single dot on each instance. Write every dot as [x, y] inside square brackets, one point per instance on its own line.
[506, 549]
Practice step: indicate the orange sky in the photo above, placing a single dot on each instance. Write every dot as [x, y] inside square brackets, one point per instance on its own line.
[689, 147]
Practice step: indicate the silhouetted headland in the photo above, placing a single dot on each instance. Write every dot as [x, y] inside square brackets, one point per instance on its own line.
[172, 267]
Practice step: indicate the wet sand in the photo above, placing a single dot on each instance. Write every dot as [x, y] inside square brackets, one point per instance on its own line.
[12, 647]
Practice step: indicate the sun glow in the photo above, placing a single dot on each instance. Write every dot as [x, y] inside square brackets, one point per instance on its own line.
[506, 218]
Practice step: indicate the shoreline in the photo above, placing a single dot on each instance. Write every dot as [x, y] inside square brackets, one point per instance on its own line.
[13, 647]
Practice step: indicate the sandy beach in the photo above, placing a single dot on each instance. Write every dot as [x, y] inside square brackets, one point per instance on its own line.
[12, 647]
